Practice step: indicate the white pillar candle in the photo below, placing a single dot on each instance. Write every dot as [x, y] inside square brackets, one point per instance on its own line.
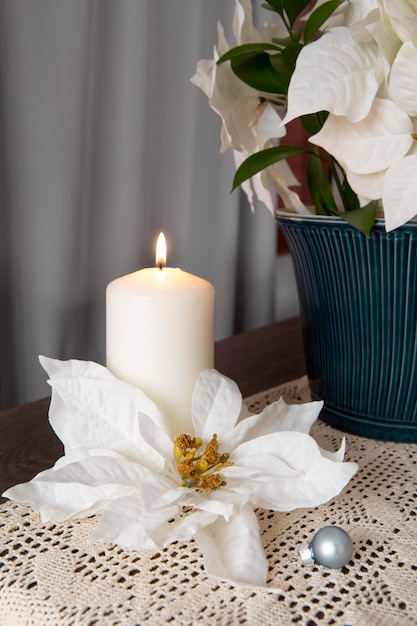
[160, 336]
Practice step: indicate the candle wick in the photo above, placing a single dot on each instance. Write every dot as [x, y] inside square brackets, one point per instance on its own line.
[161, 266]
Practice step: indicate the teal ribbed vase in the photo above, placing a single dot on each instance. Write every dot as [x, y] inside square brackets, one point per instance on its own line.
[358, 307]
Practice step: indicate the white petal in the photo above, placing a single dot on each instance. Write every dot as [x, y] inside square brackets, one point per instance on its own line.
[90, 408]
[237, 104]
[386, 39]
[292, 472]
[216, 404]
[79, 489]
[403, 17]
[159, 490]
[337, 456]
[157, 438]
[265, 185]
[221, 502]
[203, 76]
[124, 523]
[399, 195]
[298, 417]
[74, 368]
[371, 145]
[233, 551]
[278, 416]
[361, 17]
[268, 125]
[183, 528]
[242, 18]
[403, 84]
[122, 526]
[286, 172]
[275, 179]
[254, 187]
[367, 186]
[334, 74]
[244, 29]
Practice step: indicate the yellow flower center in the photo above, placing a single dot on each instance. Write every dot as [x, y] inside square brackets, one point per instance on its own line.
[200, 471]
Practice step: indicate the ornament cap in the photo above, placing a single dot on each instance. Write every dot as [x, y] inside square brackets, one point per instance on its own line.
[306, 554]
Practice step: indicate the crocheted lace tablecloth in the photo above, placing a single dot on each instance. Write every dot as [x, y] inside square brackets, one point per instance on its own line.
[51, 575]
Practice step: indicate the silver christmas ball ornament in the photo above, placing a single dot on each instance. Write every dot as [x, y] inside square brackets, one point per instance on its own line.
[331, 547]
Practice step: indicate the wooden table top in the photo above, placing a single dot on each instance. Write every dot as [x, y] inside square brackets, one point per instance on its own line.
[255, 360]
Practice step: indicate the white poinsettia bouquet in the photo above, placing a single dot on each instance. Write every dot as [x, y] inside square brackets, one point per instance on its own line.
[347, 70]
[150, 487]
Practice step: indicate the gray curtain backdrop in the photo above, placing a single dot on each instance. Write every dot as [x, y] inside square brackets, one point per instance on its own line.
[104, 142]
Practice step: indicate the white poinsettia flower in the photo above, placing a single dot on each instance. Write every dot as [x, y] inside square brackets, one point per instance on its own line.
[151, 490]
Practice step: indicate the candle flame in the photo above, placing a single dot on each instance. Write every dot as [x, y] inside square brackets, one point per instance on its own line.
[161, 251]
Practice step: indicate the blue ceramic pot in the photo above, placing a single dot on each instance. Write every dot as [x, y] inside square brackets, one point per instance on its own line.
[358, 306]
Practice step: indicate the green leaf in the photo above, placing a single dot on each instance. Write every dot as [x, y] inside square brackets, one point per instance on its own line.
[257, 71]
[247, 49]
[259, 161]
[350, 198]
[284, 63]
[275, 5]
[313, 122]
[320, 187]
[293, 8]
[283, 71]
[362, 219]
[284, 42]
[318, 17]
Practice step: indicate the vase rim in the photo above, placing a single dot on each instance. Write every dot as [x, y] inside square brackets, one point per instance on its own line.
[379, 221]
[315, 216]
